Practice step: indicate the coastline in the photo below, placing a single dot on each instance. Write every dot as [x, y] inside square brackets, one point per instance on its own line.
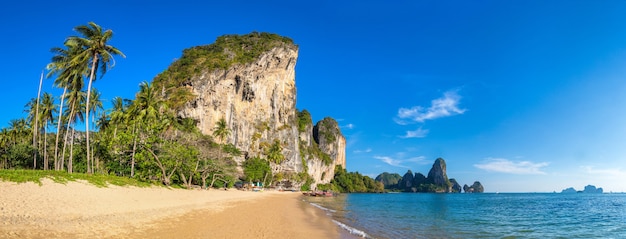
[78, 209]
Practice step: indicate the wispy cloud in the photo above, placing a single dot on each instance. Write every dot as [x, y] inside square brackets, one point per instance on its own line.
[359, 151]
[348, 126]
[418, 133]
[447, 105]
[399, 162]
[604, 171]
[513, 167]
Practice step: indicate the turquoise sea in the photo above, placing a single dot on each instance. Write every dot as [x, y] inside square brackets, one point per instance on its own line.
[488, 215]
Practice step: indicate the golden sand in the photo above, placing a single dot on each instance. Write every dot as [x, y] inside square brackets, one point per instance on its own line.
[81, 210]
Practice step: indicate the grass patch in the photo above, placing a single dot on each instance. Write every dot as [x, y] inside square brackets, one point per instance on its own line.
[99, 180]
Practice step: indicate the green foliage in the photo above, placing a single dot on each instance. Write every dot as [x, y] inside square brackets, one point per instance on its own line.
[275, 152]
[390, 180]
[354, 182]
[307, 179]
[304, 119]
[257, 170]
[100, 180]
[314, 152]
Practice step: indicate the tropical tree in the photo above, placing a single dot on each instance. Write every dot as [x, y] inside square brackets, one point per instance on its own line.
[94, 42]
[221, 130]
[48, 109]
[69, 74]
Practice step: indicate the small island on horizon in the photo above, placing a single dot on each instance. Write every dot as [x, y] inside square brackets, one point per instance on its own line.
[588, 189]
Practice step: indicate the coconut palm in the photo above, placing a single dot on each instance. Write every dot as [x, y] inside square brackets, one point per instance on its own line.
[221, 130]
[48, 109]
[117, 113]
[68, 74]
[97, 52]
[75, 99]
[144, 110]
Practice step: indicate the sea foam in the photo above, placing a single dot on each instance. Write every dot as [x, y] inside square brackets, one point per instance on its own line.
[352, 230]
[323, 208]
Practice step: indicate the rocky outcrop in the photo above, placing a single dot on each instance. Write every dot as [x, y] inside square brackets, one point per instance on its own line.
[456, 187]
[592, 189]
[588, 189]
[406, 183]
[389, 180]
[437, 175]
[437, 181]
[257, 99]
[477, 187]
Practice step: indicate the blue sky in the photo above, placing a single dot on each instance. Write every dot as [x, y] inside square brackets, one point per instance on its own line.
[524, 96]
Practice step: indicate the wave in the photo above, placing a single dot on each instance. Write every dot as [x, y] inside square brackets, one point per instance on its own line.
[352, 230]
[323, 208]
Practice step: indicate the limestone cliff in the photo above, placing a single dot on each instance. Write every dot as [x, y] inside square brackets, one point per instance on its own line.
[249, 81]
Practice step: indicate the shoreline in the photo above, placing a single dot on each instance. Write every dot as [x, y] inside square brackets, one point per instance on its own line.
[78, 209]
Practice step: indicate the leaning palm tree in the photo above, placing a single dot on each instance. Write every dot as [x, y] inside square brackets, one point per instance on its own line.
[68, 74]
[97, 52]
[48, 109]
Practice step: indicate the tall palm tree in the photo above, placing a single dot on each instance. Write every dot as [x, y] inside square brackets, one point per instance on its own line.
[48, 109]
[143, 111]
[97, 52]
[68, 74]
[96, 105]
[117, 113]
[75, 99]
[35, 128]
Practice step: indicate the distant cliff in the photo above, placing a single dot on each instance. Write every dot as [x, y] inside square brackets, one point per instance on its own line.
[437, 181]
[249, 81]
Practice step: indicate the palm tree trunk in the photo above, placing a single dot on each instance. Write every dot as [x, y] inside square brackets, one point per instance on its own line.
[132, 161]
[45, 148]
[93, 69]
[56, 142]
[69, 120]
[70, 166]
[36, 120]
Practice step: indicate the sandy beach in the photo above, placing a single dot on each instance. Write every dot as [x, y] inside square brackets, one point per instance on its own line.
[81, 210]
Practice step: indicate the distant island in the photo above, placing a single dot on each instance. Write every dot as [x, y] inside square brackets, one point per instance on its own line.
[588, 189]
[437, 181]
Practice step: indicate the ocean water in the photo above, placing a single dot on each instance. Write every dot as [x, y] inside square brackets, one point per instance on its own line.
[488, 215]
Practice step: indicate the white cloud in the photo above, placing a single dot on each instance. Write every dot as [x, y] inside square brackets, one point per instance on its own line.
[399, 162]
[513, 167]
[390, 161]
[358, 151]
[418, 133]
[448, 105]
[348, 126]
[606, 171]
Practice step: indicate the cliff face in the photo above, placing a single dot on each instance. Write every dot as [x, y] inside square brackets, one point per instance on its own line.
[437, 175]
[258, 102]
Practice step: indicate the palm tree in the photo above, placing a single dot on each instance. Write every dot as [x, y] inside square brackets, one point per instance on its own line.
[75, 99]
[99, 54]
[96, 104]
[145, 110]
[35, 128]
[68, 74]
[117, 113]
[48, 109]
[221, 130]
